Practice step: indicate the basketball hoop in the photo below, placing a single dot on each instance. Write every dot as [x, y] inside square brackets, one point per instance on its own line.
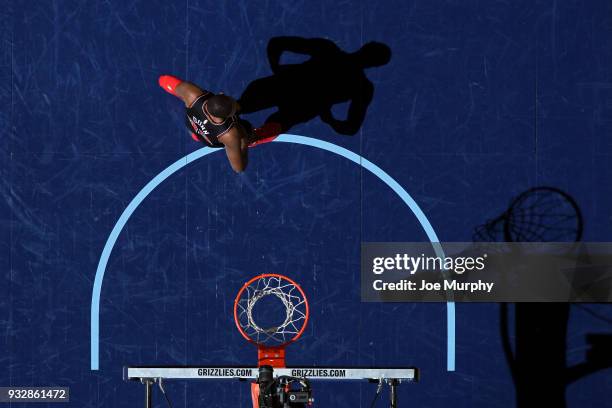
[271, 311]
[271, 336]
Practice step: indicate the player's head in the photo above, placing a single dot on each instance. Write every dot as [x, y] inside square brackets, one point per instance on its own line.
[221, 106]
[373, 54]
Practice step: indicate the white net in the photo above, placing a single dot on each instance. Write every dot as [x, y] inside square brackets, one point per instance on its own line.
[291, 299]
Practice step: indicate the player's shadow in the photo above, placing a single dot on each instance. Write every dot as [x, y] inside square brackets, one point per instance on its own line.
[306, 90]
[536, 354]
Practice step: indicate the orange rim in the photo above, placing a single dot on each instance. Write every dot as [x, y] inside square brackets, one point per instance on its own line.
[271, 275]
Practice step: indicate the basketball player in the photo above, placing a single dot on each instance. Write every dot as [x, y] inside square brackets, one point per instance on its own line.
[213, 120]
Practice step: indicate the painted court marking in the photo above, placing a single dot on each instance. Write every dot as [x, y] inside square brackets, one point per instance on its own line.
[285, 138]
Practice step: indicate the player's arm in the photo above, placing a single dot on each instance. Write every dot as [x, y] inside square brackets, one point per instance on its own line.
[299, 45]
[236, 149]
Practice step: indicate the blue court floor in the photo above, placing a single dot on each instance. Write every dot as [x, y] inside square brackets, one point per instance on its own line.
[479, 102]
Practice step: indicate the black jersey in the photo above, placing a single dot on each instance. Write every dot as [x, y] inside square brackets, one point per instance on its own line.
[200, 123]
